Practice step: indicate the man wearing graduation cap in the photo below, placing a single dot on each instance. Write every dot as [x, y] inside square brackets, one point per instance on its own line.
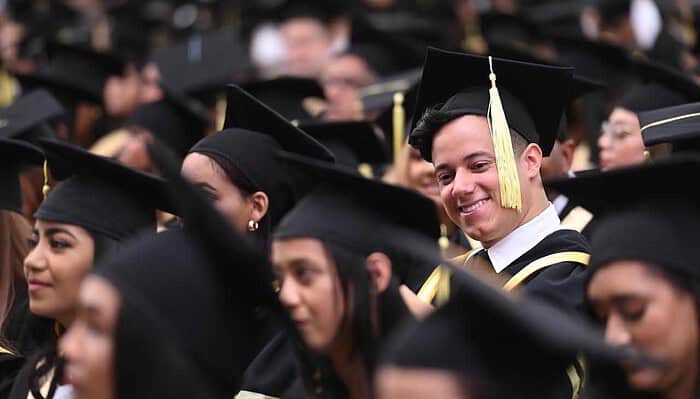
[486, 124]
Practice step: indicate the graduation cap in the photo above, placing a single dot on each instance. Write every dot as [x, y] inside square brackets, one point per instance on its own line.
[224, 281]
[28, 118]
[582, 87]
[360, 214]
[100, 194]
[612, 10]
[321, 10]
[292, 97]
[252, 135]
[385, 53]
[679, 125]
[655, 198]
[177, 120]
[74, 72]
[352, 143]
[481, 329]
[660, 86]
[14, 155]
[601, 61]
[203, 64]
[559, 16]
[517, 30]
[528, 98]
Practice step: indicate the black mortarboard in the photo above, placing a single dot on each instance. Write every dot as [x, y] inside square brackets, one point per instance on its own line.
[534, 96]
[380, 95]
[201, 285]
[14, 155]
[657, 199]
[512, 29]
[612, 10]
[252, 135]
[352, 143]
[559, 16]
[176, 120]
[357, 213]
[289, 96]
[481, 329]
[679, 125]
[582, 86]
[28, 118]
[321, 10]
[384, 53]
[100, 194]
[203, 64]
[74, 72]
[601, 61]
[660, 86]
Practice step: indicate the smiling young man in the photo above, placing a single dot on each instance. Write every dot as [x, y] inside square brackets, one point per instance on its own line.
[486, 124]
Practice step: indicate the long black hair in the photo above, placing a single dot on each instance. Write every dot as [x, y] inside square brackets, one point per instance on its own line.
[371, 317]
[47, 357]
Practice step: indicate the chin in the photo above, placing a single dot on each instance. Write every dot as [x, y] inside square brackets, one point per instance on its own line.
[644, 379]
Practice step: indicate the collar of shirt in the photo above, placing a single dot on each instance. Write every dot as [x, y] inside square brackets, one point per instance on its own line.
[560, 203]
[522, 239]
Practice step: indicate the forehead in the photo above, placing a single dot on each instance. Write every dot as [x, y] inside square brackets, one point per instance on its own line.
[288, 249]
[624, 276]
[43, 225]
[461, 137]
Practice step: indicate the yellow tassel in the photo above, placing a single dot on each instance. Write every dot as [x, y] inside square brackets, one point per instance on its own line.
[46, 187]
[399, 122]
[444, 242]
[221, 103]
[508, 181]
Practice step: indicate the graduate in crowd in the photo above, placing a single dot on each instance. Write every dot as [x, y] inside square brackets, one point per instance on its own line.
[86, 217]
[14, 231]
[136, 335]
[643, 288]
[237, 167]
[676, 128]
[488, 170]
[340, 282]
[484, 344]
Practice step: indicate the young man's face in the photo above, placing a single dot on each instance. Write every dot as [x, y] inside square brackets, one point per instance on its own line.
[308, 45]
[465, 167]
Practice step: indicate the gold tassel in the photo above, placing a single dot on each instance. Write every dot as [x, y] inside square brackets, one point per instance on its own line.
[221, 103]
[399, 122]
[444, 242]
[508, 181]
[46, 187]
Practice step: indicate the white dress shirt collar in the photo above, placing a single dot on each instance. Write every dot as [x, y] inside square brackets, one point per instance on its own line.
[522, 239]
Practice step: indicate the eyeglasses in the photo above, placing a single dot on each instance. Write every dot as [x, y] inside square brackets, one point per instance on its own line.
[616, 131]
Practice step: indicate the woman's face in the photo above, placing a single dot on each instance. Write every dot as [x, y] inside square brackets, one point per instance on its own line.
[621, 142]
[228, 199]
[60, 257]
[88, 345]
[641, 308]
[310, 290]
[421, 177]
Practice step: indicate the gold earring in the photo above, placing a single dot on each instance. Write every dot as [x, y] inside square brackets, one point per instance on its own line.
[253, 225]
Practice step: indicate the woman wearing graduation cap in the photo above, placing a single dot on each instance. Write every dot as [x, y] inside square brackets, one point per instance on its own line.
[644, 289]
[137, 336]
[87, 216]
[339, 260]
[237, 167]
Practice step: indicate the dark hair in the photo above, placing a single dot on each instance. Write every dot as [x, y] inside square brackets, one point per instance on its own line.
[434, 119]
[47, 358]
[247, 188]
[374, 316]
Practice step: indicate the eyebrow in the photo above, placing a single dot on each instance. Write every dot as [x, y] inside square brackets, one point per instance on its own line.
[56, 230]
[205, 185]
[467, 158]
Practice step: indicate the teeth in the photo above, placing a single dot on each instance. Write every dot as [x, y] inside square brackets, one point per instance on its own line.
[474, 207]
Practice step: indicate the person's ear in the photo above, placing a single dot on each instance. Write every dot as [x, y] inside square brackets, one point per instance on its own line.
[259, 205]
[532, 160]
[379, 267]
[568, 147]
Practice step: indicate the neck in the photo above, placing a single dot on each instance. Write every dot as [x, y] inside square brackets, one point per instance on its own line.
[351, 371]
[66, 320]
[538, 203]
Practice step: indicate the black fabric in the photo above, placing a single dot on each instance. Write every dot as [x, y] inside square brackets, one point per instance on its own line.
[274, 369]
[22, 118]
[286, 95]
[171, 121]
[352, 143]
[100, 194]
[10, 366]
[534, 96]
[561, 284]
[659, 86]
[682, 132]
[14, 155]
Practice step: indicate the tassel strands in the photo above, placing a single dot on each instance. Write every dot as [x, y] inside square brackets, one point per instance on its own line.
[508, 181]
[399, 122]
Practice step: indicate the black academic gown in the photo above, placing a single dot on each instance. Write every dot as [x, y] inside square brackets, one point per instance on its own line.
[274, 370]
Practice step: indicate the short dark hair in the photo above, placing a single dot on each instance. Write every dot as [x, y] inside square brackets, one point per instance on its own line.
[435, 118]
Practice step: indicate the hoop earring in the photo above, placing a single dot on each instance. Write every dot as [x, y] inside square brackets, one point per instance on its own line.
[253, 225]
